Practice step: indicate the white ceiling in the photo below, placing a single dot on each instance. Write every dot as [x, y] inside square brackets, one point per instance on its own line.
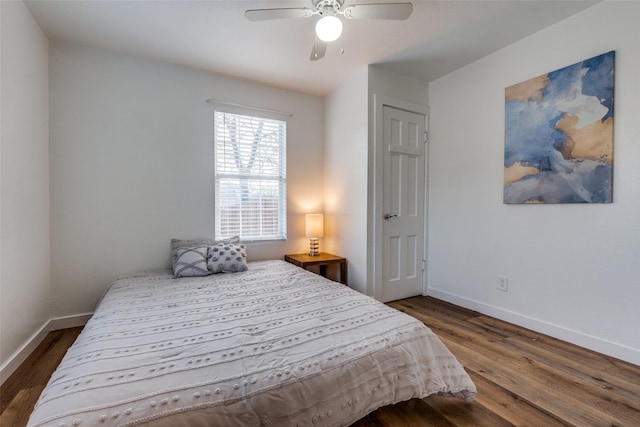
[214, 35]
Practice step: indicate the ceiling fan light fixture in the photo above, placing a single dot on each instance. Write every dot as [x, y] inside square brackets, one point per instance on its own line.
[329, 28]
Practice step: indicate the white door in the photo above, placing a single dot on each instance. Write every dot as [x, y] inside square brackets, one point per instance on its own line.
[403, 200]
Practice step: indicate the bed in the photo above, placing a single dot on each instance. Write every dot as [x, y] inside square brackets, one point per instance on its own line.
[273, 345]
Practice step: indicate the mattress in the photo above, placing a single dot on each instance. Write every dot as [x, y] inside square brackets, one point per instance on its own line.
[274, 345]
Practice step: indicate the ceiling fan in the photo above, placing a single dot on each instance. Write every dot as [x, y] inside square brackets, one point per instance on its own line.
[329, 26]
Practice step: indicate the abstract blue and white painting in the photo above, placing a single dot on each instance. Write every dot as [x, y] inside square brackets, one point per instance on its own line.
[559, 135]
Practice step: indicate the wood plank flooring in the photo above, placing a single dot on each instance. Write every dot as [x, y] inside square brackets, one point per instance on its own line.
[20, 392]
[523, 378]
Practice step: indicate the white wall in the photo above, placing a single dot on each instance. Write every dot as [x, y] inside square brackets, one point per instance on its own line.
[573, 269]
[131, 165]
[345, 176]
[24, 178]
[394, 85]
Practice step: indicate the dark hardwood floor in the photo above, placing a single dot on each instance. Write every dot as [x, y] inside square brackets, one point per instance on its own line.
[523, 378]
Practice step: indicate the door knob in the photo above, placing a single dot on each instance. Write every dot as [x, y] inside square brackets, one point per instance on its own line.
[387, 216]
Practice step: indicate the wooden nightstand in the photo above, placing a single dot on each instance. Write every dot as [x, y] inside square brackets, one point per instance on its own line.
[321, 260]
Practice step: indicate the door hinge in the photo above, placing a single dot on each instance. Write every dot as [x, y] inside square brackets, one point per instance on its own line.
[426, 137]
[424, 264]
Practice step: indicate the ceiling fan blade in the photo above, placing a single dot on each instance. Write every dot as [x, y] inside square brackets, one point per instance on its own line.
[379, 11]
[265, 14]
[319, 49]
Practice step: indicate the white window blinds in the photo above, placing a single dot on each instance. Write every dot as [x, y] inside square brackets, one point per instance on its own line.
[250, 177]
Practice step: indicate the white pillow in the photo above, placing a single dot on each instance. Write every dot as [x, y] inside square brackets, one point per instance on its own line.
[227, 258]
[191, 262]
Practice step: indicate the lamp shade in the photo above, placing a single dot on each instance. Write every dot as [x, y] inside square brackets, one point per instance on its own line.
[314, 225]
[329, 28]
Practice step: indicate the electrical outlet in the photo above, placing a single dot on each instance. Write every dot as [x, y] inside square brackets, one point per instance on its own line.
[503, 283]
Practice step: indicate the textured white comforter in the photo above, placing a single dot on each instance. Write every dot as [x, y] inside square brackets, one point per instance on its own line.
[275, 345]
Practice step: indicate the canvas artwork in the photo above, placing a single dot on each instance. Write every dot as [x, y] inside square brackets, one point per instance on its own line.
[559, 135]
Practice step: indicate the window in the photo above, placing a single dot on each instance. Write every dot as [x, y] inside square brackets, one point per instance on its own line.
[250, 177]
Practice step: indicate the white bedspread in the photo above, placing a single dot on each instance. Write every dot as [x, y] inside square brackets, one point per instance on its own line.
[275, 345]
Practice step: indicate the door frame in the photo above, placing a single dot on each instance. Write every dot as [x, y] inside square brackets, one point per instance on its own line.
[376, 213]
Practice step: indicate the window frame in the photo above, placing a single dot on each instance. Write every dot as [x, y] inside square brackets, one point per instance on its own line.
[281, 179]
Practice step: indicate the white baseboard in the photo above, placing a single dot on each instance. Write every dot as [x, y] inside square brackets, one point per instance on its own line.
[599, 345]
[22, 353]
[69, 321]
[30, 345]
